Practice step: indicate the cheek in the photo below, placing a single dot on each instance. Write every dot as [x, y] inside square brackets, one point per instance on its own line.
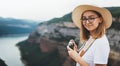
[96, 25]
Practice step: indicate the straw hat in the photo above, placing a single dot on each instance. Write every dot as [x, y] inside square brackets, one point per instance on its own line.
[77, 13]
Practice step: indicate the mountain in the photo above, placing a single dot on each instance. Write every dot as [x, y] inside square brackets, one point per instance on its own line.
[16, 26]
[46, 45]
[2, 63]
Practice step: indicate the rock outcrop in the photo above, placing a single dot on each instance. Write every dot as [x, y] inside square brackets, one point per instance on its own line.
[46, 46]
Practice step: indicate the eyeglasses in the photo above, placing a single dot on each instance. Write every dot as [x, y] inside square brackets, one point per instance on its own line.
[84, 20]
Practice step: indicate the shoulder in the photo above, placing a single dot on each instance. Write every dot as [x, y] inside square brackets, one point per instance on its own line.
[103, 38]
[101, 43]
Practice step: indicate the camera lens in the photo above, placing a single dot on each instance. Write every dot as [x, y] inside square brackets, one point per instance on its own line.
[71, 45]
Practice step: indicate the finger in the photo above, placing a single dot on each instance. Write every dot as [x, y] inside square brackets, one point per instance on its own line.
[68, 48]
[75, 48]
[73, 42]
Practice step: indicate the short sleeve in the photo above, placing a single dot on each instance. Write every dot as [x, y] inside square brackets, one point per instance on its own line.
[102, 50]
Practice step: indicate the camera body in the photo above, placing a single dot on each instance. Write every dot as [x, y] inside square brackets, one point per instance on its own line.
[71, 45]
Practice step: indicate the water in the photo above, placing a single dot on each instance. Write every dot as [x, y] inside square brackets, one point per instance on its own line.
[9, 52]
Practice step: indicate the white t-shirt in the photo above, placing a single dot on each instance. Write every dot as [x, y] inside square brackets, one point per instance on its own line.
[98, 52]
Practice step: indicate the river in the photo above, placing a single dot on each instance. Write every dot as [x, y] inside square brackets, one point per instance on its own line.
[9, 52]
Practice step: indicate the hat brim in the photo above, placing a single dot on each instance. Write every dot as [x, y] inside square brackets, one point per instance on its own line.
[77, 13]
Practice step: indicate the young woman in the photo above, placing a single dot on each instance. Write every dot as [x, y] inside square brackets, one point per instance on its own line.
[92, 22]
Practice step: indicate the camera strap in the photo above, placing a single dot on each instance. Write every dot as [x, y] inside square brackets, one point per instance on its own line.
[86, 46]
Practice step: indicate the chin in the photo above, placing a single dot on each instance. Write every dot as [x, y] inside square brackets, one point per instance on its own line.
[90, 29]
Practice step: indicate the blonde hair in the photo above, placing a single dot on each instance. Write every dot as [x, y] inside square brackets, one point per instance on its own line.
[99, 32]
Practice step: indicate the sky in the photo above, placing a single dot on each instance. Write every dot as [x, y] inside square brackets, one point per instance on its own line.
[46, 9]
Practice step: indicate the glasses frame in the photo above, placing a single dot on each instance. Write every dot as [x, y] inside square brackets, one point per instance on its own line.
[90, 20]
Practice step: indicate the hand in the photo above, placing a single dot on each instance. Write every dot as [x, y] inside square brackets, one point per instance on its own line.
[75, 56]
[72, 53]
[75, 46]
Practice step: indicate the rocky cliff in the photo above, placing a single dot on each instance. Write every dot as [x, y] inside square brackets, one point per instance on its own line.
[46, 46]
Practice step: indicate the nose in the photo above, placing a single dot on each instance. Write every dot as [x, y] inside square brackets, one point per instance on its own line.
[87, 21]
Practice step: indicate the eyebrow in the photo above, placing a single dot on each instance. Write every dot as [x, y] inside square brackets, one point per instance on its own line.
[89, 16]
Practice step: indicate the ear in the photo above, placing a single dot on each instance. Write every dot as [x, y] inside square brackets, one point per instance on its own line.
[101, 19]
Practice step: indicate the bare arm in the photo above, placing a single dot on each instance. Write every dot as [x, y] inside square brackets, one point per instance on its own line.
[75, 56]
[81, 61]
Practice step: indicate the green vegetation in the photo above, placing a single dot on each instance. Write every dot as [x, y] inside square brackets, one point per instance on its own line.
[115, 11]
[66, 18]
[2, 63]
[32, 52]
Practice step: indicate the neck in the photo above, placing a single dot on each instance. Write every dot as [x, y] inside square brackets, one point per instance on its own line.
[91, 33]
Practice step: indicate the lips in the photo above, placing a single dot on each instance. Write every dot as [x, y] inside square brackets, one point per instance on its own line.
[88, 25]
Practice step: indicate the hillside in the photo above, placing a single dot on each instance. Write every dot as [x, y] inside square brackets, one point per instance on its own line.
[16, 26]
[2, 63]
[46, 45]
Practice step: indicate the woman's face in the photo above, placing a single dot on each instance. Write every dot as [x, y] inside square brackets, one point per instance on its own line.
[91, 20]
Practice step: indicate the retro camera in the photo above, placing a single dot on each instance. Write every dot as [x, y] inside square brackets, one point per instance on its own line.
[71, 44]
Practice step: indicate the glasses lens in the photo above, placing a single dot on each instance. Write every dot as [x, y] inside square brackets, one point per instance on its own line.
[84, 20]
[91, 19]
